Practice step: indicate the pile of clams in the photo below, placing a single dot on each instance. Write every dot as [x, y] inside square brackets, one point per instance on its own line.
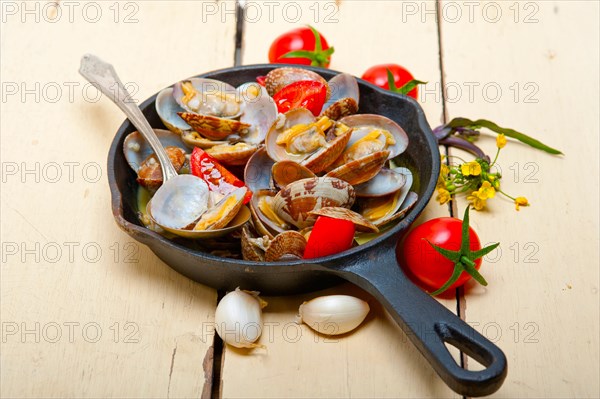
[296, 165]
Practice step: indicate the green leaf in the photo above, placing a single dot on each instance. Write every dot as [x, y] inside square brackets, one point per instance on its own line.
[464, 122]
[453, 256]
[300, 54]
[318, 45]
[475, 274]
[458, 269]
[465, 243]
[391, 82]
[408, 86]
[327, 53]
[482, 252]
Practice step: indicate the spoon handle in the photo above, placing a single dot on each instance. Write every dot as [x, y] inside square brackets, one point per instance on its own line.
[103, 75]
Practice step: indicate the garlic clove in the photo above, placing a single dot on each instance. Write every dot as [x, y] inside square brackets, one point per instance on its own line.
[333, 314]
[238, 318]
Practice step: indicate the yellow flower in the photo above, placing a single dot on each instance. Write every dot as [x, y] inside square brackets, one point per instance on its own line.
[444, 170]
[443, 196]
[486, 191]
[472, 168]
[521, 201]
[477, 202]
[501, 140]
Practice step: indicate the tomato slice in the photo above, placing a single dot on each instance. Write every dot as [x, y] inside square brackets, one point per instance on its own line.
[218, 178]
[329, 236]
[302, 94]
[261, 80]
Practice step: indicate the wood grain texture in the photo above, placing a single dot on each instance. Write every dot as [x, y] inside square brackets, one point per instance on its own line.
[377, 360]
[108, 319]
[541, 306]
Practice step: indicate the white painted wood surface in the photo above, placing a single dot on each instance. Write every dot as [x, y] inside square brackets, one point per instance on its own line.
[545, 313]
[147, 317]
[542, 302]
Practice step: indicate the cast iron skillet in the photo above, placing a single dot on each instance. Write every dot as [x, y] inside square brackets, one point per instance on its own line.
[372, 266]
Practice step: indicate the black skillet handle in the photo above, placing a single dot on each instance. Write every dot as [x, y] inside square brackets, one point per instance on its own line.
[428, 324]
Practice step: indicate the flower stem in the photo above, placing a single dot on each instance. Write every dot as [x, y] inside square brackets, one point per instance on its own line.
[495, 158]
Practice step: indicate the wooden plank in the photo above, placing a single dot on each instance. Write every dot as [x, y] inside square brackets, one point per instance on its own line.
[541, 305]
[108, 319]
[377, 360]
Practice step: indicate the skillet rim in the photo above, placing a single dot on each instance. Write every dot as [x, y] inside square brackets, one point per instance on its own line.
[147, 236]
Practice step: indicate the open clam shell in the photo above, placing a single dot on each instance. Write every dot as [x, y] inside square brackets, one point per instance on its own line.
[286, 172]
[257, 173]
[385, 182]
[208, 97]
[213, 127]
[360, 222]
[385, 209]
[286, 246]
[266, 220]
[278, 78]
[167, 109]
[294, 202]
[171, 207]
[232, 154]
[253, 248]
[194, 139]
[150, 172]
[223, 212]
[260, 112]
[136, 149]
[318, 151]
[344, 97]
[363, 124]
[360, 170]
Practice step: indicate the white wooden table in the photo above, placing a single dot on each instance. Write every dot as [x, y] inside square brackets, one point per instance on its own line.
[88, 312]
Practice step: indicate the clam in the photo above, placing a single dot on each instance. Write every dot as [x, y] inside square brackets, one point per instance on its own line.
[286, 246]
[253, 248]
[136, 149]
[362, 169]
[360, 223]
[266, 219]
[344, 97]
[219, 215]
[278, 78]
[384, 209]
[167, 109]
[257, 173]
[150, 173]
[303, 139]
[385, 182]
[213, 127]
[286, 172]
[372, 133]
[208, 97]
[260, 112]
[294, 202]
[232, 154]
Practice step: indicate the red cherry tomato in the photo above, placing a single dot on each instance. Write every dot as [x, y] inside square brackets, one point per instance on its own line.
[214, 174]
[329, 236]
[378, 76]
[302, 94]
[427, 266]
[301, 39]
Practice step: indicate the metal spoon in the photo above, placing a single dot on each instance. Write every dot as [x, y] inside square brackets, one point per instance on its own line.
[181, 199]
